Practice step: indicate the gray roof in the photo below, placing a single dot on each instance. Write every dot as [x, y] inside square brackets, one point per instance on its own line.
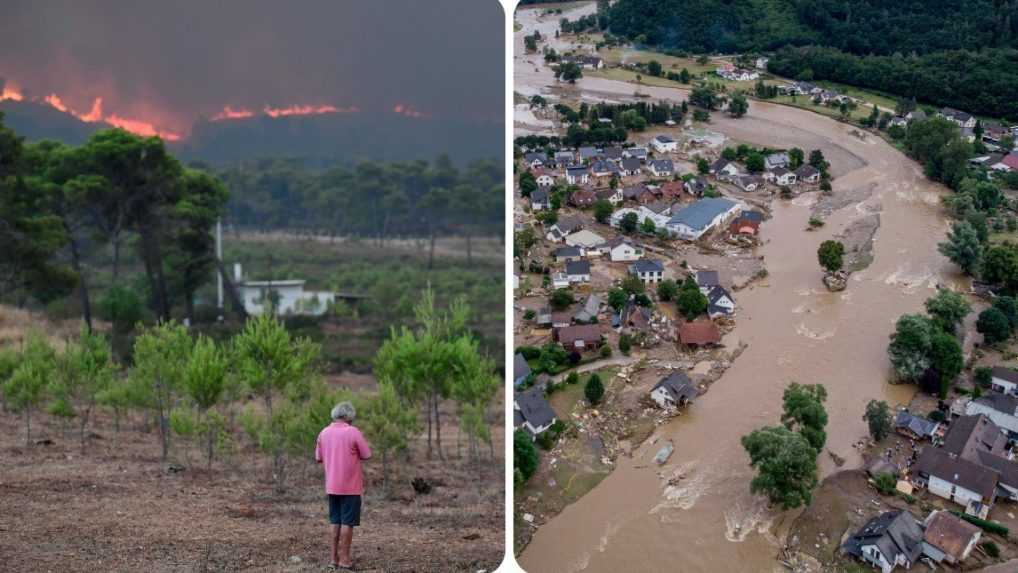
[539, 196]
[678, 386]
[576, 170]
[589, 310]
[915, 424]
[894, 533]
[806, 170]
[588, 152]
[700, 214]
[578, 268]
[970, 475]
[533, 408]
[707, 278]
[646, 266]
[663, 165]
[1004, 403]
[520, 367]
[568, 224]
[638, 151]
[664, 139]
[631, 163]
[564, 155]
[563, 252]
[1006, 374]
[613, 152]
[970, 434]
[633, 191]
[535, 155]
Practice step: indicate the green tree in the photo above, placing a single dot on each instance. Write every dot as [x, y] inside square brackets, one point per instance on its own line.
[389, 423]
[561, 299]
[648, 227]
[525, 457]
[160, 356]
[963, 247]
[690, 302]
[654, 68]
[625, 344]
[804, 412]
[617, 298]
[1009, 308]
[738, 105]
[796, 157]
[755, 162]
[948, 309]
[946, 358]
[86, 370]
[593, 390]
[999, 266]
[993, 325]
[603, 211]
[878, 419]
[25, 389]
[910, 346]
[818, 161]
[831, 255]
[667, 290]
[629, 223]
[205, 377]
[785, 464]
[568, 72]
[703, 97]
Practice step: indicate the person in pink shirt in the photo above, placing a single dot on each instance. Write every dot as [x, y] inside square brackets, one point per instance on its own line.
[340, 449]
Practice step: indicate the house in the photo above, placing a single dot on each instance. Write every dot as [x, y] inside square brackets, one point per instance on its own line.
[775, 160]
[588, 153]
[734, 74]
[520, 369]
[963, 119]
[806, 173]
[915, 115]
[561, 319]
[588, 240]
[707, 280]
[563, 227]
[719, 302]
[531, 412]
[1001, 409]
[559, 280]
[670, 190]
[993, 132]
[578, 271]
[603, 169]
[287, 297]
[914, 427]
[890, 540]
[1004, 380]
[566, 254]
[673, 391]
[661, 167]
[693, 221]
[582, 198]
[613, 153]
[761, 63]
[543, 316]
[723, 167]
[1008, 163]
[545, 179]
[700, 332]
[540, 200]
[637, 152]
[748, 183]
[633, 318]
[743, 225]
[613, 196]
[630, 166]
[640, 193]
[782, 176]
[949, 538]
[696, 186]
[898, 121]
[620, 249]
[642, 214]
[664, 144]
[648, 270]
[535, 159]
[589, 310]
[577, 175]
[660, 208]
[579, 337]
[564, 157]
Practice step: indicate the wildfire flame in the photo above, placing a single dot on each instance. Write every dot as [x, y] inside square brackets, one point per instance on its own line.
[11, 93]
[95, 114]
[409, 111]
[231, 113]
[305, 110]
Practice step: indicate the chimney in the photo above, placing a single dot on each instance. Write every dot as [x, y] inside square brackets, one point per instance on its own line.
[237, 274]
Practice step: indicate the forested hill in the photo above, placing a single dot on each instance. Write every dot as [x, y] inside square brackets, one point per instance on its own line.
[860, 27]
[958, 53]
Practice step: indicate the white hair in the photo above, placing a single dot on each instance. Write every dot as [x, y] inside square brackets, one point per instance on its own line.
[344, 411]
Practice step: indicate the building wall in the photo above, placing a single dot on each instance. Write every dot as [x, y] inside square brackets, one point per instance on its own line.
[961, 495]
[1005, 421]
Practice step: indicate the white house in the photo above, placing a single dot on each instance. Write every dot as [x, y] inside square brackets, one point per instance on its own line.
[545, 180]
[776, 160]
[620, 249]
[963, 119]
[613, 196]
[719, 302]
[539, 200]
[693, 221]
[781, 176]
[664, 144]
[674, 390]
[889, 540]
[531, 411]
[1001, 409]
[578, 271]
[1004, 380]
[642, 213]
[661, 167]
[723, 167]
[288, 296]
[948, 537]
[577, 175]
[648, 271]
[637, 152]
[560, 280]
[588, 240]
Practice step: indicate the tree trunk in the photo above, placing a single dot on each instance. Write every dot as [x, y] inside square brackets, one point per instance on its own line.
[84, 423]
[438, 430]
[210, 442]
[86, 307]
[385, 472]
[427, 410]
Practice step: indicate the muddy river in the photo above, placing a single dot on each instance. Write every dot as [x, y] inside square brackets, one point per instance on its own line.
[795, 331]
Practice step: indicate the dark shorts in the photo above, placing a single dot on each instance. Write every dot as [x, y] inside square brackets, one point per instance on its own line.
[345, 509]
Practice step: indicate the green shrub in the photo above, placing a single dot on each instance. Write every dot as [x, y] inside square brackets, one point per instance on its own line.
[606, 351]
[885, 483]
[986, 525]
[991, 549]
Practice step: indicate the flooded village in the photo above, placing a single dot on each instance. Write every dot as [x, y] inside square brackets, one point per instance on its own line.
[673, 278]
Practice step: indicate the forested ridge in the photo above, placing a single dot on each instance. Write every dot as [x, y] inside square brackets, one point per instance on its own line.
[944, 52]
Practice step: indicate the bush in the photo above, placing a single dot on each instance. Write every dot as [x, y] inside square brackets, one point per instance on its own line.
[529, 314]
[625, 344]
[984, 524]
[594, 389]
[991, 549]
[983, 376]
[573, 378]
[885, 483]
[606, 351]
[525, 456]
[936, 416]
[529, 352]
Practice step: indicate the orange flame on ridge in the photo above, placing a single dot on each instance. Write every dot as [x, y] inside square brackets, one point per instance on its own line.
[231, 113]
[407, 110]
[11, 93]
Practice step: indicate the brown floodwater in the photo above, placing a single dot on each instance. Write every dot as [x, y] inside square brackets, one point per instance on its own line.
[796, 331]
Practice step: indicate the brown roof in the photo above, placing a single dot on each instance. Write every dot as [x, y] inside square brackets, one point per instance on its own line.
[672, 188]
[971, 434]
[949, 534]
[699, 332]
[588, 333]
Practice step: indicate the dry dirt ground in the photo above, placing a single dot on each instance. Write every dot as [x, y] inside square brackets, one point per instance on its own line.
[116, 507]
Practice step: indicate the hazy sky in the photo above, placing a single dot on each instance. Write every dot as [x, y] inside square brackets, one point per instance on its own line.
[177, 60]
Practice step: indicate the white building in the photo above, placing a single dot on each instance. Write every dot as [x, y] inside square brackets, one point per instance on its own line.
[288, 296]
[694, 221]
[664, 144]
[620, 249]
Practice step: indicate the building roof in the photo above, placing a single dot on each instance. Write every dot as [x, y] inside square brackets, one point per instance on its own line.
[678, 386]
[588, 152]
[700, 214]
[647, 266]
[664, 139]
[586, 238]
[1011, 160]
[531, 156]
[575, 170]
[1003, 403]
[968, 474]
[970, 434]
[699, 332]
[568, 224]
[949, 533]
[919, 426]
[894, 533]
[578, 268]
[589, 310]
[539, 196]
[563, 252]
[662, 165]
[531, 406]
[613, 152]
[707, 278]
[806, 170]
[520, 367]
[1006, 374]
[579, 332]
[631, 163]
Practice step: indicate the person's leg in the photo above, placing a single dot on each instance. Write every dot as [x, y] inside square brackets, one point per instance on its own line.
[334, 534]
[345, 541]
